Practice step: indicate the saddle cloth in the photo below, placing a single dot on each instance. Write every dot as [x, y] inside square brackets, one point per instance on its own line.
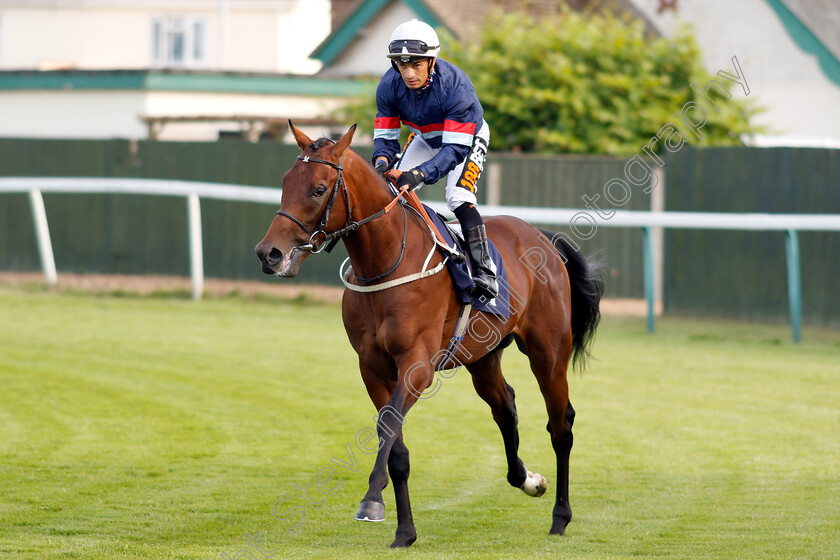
[460, 271]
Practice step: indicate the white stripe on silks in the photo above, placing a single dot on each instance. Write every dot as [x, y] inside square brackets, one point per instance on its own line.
[457, 138]
[387, 133]
[424, 135]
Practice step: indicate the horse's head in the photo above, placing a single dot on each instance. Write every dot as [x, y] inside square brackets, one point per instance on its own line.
[313, 203]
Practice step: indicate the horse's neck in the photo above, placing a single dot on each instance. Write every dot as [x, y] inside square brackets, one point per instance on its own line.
[377, 245]
[368, 195]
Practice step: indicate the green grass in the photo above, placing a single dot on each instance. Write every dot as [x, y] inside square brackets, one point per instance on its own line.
[162, 428]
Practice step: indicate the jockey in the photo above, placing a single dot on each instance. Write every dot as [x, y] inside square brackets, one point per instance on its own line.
[437, 102]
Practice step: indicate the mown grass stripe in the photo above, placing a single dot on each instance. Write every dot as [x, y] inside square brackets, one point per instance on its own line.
[161, 428]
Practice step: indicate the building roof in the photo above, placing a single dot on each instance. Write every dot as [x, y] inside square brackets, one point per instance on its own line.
[452, 15]
[364, 11]
[814, 25]
[178, 80]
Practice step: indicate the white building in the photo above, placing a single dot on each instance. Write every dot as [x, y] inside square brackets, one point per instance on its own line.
[183, 69]
[789, 51]
[242, 35]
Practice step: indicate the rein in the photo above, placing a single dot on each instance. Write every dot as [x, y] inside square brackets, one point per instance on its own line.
[329, 240]
[424, 272]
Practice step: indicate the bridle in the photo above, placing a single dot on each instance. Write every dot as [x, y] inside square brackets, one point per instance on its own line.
[314, 246]
[328, 241]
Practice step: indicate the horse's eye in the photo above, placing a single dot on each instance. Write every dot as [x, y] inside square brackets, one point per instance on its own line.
[319, 191]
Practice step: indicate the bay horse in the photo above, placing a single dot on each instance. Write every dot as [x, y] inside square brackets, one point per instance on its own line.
[332, 193]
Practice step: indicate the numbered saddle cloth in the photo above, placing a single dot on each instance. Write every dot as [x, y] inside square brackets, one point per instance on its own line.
[460, 271]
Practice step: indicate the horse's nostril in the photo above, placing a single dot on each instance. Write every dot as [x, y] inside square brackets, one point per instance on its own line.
[275, 255]
[260, 250]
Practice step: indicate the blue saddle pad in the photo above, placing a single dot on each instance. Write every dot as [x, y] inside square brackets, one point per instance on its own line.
[460, 273]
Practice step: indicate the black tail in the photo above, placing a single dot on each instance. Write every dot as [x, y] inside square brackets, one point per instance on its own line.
[587, 287]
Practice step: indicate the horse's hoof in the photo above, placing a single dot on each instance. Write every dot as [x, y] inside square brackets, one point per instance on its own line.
[535, 485]
[560, 530]
[371, 511]
[403, 541]
[560, 520]
[559, 527]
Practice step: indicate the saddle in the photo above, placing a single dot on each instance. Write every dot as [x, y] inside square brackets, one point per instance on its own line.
[459, 265]
[451, 244]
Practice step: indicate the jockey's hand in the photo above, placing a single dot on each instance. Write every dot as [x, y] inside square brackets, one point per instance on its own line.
[393, 175]
[411, 178]
[381, 165]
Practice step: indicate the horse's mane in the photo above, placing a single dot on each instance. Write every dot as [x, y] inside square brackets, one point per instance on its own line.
[320, 143]
[324, 141]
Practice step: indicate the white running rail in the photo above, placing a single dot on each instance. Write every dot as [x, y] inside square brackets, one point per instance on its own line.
[194, 191]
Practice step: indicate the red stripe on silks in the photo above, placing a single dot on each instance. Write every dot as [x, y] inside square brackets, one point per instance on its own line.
[455, 126]
[386, 122]
[434, 127]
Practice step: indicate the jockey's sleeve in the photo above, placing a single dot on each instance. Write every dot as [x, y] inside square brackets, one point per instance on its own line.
[384, 145]
[447, 159]
[386, 126]
[459, 127]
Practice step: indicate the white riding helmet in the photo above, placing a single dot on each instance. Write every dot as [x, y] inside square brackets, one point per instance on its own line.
[411, 40]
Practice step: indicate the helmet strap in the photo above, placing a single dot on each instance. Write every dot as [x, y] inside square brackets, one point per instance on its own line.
[431, 69]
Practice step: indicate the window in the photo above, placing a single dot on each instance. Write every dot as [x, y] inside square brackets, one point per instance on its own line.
[178, 42]
[198, 40]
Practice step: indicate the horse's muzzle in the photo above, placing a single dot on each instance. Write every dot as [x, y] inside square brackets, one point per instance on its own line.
[270, 257]
[274, 261]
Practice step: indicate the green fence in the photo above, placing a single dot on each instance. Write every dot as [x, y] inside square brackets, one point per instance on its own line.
[727, 274]
[561, 182]
[742, 274]
[111, 233]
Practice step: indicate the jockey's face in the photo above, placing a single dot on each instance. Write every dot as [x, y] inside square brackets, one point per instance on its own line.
[415, 73]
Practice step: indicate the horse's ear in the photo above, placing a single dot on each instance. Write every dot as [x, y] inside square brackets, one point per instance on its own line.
[302, 139]
[344, 142]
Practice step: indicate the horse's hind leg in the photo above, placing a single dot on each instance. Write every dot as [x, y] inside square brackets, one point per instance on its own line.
[562, 444]
[491, 387]
[561, 416]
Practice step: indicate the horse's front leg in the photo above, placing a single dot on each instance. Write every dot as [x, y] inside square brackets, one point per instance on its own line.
[389, 429]
[413, 378]
[399, 467]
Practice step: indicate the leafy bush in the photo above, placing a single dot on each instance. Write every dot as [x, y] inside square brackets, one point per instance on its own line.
[584, 83]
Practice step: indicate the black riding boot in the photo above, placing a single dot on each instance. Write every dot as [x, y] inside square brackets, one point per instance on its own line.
[482, 267]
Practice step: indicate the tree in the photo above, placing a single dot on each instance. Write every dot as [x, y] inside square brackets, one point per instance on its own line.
[584, 83]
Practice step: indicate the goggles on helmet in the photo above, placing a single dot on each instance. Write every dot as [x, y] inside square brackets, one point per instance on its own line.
[408, 47]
